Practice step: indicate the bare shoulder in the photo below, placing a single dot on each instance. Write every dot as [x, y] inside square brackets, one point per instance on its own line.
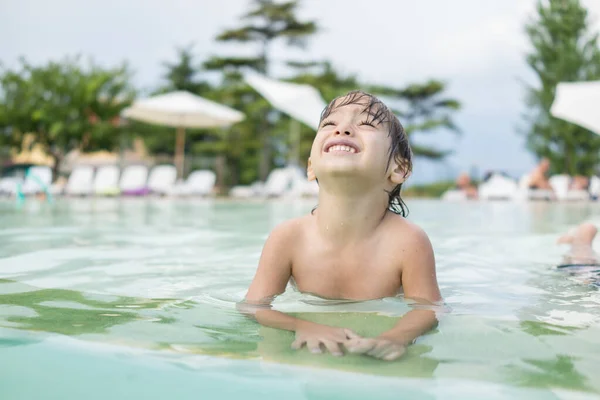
[274, 266]
[407, 233]
[416, 260]
[411, 244]
[287, 233]
[290, 228]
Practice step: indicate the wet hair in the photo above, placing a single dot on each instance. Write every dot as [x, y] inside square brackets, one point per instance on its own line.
[379, 113]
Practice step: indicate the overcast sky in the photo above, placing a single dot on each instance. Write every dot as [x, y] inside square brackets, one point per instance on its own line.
[476, 46]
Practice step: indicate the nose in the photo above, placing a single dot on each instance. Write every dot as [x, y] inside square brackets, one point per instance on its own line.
[342, 131]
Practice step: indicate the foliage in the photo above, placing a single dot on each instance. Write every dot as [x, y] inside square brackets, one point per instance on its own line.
[65, 105]
[430, 190]
[423, 109]
[563, 50]
[69, 105]
[267, 21]
[183, 74]
[329, 82]
[241, 144]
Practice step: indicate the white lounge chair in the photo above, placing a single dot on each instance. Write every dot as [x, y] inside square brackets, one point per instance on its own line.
[300, 186]
[594, 186]
[9, 185]
[198, 183]
[162, 179]
[288, 181]
[279, 181]
[498, 187]
[454, 195]
[37, 180]
[306, 188]
[560, 185]
[80, 181]
[247, 191]
[106, 182]
[133, 180]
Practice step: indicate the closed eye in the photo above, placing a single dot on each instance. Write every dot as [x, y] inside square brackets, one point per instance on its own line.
[325, 123]
[365, 122]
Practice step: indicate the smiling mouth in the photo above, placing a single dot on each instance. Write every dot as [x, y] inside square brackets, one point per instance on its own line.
[340, 148]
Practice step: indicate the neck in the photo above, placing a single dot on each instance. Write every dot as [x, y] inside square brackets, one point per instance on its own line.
[349, 216]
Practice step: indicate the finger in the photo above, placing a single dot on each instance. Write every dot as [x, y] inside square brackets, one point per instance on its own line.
[361, 346]
[298, 343]
[350, 343]
[381, 349]
[394, 355]
[350, 334]
[313, 346]
[332, 347]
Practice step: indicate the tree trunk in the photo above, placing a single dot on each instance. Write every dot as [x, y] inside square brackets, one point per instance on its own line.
[180, 152]
[221, 171]
[265, 156]
[57, 158]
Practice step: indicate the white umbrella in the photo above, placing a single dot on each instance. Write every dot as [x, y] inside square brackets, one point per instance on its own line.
[579, 103]
[182, 110]
[302, 102]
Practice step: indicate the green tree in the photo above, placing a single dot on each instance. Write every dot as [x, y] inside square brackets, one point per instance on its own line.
[563, 50]
[64, 105]
[423, 108]
[266, 22]
[236, 150]
[183, 74]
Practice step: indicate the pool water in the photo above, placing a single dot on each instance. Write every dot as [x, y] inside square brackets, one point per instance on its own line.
[135, 298]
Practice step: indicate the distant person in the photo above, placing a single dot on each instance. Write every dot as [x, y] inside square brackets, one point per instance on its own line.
[538, 178]
[581, 252]
[579, 182]
[463, 183]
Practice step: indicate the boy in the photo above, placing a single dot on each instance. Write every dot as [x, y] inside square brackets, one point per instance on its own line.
[353, 245]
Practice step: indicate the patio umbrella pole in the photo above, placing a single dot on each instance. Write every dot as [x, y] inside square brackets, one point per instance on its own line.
[180, 151]
[295, 143]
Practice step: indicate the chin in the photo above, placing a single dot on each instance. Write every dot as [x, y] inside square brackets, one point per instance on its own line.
[340, 168]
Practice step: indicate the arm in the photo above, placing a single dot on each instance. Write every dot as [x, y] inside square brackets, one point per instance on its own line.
[420, 284]
[273, 273]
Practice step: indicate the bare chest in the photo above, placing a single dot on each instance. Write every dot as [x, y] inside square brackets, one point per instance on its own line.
[366, 272]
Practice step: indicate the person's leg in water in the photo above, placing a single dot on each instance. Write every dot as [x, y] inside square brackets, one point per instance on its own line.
[581, 251]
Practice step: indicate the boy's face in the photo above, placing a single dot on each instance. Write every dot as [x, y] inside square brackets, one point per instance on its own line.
[350, 142]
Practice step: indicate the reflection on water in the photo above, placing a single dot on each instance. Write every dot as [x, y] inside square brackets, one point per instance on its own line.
[166, 275]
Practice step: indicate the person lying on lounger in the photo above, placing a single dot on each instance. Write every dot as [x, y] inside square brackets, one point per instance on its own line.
[538, 178]
[463, 183]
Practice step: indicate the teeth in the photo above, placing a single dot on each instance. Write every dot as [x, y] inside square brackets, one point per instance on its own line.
[339, 147]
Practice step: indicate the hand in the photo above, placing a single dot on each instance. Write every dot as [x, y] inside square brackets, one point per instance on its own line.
[315, 335]
[382, 348]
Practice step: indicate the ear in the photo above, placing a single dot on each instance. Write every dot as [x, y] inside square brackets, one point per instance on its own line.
[398, 173]
[309, 171]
